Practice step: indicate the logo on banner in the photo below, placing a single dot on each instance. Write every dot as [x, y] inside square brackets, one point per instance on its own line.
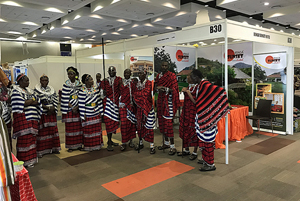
[132, 59]
[272, 60]
[181, 56]
[235, 55]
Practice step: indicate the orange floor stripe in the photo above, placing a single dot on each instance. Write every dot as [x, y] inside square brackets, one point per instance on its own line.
[266, 133]
[141, 180]
[105, 133]
[298, 162]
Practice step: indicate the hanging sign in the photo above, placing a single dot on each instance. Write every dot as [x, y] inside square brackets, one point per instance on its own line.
[271, 61]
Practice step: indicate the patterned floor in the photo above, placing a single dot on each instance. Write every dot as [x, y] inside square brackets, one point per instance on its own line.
[260, 168]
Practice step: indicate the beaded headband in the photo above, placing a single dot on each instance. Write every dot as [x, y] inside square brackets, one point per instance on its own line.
[21, 75]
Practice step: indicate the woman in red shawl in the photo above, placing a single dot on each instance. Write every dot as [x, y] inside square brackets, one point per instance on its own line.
[167, 104]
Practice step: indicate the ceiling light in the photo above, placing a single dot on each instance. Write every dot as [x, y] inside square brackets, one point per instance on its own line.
[44, 31]
[250, 17]
[236, 40]
[21, 38]
[227, 1]
[169, 5]
[263, 21]
[257, 25]
[201, 42]
[54, 10]
[245, 22]
[30, 23]
[135, 25]
[14, 32]
[215, 40]
[52, 27]
[93, 36]
[206, 5]
[286, 27]
[145, 0]
[213, 43]
[224, 10]
[171, 28]
[115, 33]
[122, 20]
[65, 22]
[134, 35]
[272, 28]
[97, 8]
[76, 17]
[90, 30]
[108, 41]
[218, 17]
[148, 25]
[2, 20]
[266, 3]
[103, 34]
[180, 13]
[277, 24]
[281, 30]
[34, 35]
[81, 39]
[11, 3]
[114, 1]
[68, 37]
[91, 39]
[276, 15]
[66, 27]
[293, 33]
[158, 19]
[222, 42]
[120, 29]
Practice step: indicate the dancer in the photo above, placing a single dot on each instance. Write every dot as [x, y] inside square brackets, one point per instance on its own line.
[90, 108]
[212, 106]
[145, 115]
[48, 137]
[27, 111]
[128, 128]
[70, 112]
[187, 131]
[111, 88]
[167, 104]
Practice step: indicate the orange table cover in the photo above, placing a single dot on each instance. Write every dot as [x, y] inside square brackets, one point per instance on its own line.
[238, 126]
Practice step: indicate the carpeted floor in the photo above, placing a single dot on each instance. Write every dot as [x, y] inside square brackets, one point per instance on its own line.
[260, 168]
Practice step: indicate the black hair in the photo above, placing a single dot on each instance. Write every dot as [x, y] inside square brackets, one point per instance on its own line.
[83, 78]
[44, 76]
[197, 73]
[20, 77]
[74, 69]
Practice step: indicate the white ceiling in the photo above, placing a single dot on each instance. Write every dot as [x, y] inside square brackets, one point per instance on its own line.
[87, 21]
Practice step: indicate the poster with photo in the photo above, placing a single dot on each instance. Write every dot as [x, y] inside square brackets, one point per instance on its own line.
[270, 70]
[138, 62]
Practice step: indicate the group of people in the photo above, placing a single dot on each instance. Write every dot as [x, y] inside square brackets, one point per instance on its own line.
[118, 102]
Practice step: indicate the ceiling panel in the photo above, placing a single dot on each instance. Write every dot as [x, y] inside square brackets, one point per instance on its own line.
[135, 9]
[72, 33]
[66, 4]
[22, 28]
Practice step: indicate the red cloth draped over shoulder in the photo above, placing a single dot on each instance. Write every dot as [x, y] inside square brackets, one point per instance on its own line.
[143, 98]
[112, 95]
[169, 80]
[212, 105]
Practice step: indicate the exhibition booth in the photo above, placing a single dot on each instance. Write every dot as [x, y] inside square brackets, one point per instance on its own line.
[259, 65]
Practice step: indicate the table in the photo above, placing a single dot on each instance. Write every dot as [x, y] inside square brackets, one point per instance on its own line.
[238, 126]
[22, 189]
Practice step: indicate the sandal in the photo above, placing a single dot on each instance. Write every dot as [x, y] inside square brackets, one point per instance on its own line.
[193, 157]
[164, 146]
[172, 151]
[184, 153]
[123, 147]
[152, 150]
[131, 145]
[115, 144]
[139, 147]
[70, 150]
[200, 161]
[109, 147]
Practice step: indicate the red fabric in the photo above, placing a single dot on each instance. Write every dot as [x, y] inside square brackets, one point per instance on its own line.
[73, 131]
[238, 126]
[92, 134]
[212, 105]
[22, 189]
[128, 130]
[143, 100]
[110, 125]
[168, 80]
[48, 137]
[21, 125]
[71, 117]
[27, 142]
[187, 131]
[207, 149]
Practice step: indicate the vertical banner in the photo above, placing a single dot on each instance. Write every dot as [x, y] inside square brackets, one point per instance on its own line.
[270, 83]
[181, 61]
[136, 62]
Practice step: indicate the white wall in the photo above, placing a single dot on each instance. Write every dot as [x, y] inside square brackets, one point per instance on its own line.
[260, 48]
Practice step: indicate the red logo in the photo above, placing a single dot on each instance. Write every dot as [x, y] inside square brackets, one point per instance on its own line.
[231, 54]
[269, 59]
[131, 59]
[179, 55]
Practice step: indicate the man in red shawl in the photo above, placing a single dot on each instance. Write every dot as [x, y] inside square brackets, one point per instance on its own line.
[111, 88]
[167, 104]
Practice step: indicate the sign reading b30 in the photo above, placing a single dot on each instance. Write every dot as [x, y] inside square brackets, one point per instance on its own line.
[215, 28]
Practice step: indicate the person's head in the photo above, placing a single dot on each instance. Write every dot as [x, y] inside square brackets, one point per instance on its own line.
[112, 71]
[164, 67]
[23, 80]
[72, 73]
[127, 74]
[87, 80]
[98, 77]
[44, 80]
[195, 77]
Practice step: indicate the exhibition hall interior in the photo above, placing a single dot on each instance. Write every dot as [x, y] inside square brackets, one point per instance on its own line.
[149, 100]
